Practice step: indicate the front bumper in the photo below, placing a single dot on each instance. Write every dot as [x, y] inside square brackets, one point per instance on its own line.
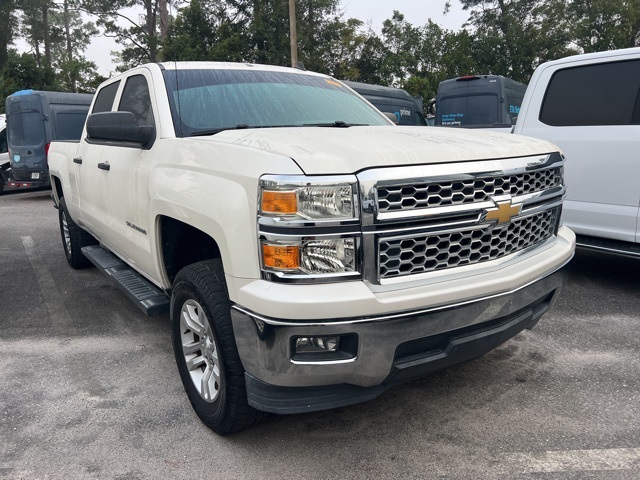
[390, 349]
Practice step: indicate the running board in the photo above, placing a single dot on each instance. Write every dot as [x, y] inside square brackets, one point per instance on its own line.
[149, 298]
[618, 247]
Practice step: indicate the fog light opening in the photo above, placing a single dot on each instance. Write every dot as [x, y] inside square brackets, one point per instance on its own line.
[324, 348]
[317, 344]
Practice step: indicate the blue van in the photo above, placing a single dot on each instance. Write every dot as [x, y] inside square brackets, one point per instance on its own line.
[34, 120]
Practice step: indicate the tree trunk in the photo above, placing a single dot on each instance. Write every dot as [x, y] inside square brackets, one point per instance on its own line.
[151, 30]
[69, 49]
[6, 30]
[164, 19]
[46, 37]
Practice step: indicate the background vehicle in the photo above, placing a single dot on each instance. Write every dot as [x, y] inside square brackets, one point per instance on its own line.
[34, 120]
[406, 108]
[311, 254]
[589, 105]
[4, 155]
[479, 101]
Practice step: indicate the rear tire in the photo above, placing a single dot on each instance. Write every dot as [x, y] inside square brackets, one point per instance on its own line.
[73, 238]
[205, 349]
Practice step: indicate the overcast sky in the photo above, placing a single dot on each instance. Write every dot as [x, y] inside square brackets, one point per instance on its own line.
[372, 12]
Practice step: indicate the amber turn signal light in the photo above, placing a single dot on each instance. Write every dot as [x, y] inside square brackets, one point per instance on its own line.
[285, 203]
[281, 257]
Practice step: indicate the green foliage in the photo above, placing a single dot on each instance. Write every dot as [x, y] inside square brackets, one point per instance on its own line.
[505, 37]
[21, 72]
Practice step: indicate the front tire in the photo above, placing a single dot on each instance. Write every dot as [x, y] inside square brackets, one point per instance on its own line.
[73, 238]
[205, 349]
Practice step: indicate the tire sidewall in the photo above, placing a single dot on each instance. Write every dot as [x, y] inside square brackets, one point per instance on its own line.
[63, 213]
[211, 413]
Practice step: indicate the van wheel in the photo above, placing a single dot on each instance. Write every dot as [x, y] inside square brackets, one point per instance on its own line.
[73, 238]
[205, 349]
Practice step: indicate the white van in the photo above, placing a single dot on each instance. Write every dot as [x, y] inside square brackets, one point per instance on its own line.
[589, 105]
[4, 154]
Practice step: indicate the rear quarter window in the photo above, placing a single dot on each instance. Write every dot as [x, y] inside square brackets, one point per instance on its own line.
[599, 94]
[105, 98]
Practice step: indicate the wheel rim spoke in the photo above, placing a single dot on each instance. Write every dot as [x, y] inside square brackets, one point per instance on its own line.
[200, 351]
[65, 232]
[195, 362]
[205, 384]
[192, 347]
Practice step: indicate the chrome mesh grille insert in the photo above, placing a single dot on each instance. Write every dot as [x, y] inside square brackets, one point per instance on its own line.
[438, 251]
[392, 198]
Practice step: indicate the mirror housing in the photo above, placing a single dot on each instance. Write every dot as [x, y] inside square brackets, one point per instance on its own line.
[119, 127]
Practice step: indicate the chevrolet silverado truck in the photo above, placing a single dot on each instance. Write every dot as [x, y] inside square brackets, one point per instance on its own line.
[310, 253]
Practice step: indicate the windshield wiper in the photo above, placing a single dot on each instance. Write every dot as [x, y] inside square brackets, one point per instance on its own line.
[241, 126]
[213, 131]
[336, 124]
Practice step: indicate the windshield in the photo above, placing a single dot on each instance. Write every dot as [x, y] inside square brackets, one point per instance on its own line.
[468, 110]
[207, 100]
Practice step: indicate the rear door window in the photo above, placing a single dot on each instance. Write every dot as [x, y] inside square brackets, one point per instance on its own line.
[602, 94]
[26, 129]
[468, 110]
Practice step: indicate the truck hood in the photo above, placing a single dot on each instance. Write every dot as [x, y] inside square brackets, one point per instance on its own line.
[320, 150]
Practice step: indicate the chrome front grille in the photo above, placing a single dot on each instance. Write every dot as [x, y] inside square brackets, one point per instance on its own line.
[399, 197]
[411, 255]
[425, 222]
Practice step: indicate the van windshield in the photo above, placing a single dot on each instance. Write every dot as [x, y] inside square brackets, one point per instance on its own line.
[468, 110]
[207, 101]
[26, 129]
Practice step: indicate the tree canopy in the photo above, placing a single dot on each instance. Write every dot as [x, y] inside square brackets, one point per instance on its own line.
[505, 37]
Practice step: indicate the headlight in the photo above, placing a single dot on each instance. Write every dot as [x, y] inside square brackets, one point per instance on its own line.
[311, 256]
[299, 198]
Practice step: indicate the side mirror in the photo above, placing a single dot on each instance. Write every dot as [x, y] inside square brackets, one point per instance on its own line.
[119, 127]
[391, 116]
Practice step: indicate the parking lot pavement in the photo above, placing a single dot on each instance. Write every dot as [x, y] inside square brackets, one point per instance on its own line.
[89, 389]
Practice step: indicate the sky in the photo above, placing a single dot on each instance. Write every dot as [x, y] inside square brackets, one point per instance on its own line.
[372, 12]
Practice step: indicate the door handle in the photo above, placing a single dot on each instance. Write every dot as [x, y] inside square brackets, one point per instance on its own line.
[104, 166]
[77, 160]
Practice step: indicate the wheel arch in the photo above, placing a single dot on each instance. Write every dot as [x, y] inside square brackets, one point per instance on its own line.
[182, 244]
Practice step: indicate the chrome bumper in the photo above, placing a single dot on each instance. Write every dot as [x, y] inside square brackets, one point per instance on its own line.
[390, 349]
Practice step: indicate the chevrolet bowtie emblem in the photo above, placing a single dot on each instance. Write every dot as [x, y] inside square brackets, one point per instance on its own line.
[503, 212]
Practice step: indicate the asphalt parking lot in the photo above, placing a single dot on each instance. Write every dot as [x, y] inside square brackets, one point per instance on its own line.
[89, 388]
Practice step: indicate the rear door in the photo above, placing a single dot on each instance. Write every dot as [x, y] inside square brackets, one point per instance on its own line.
[91, 195]
[27, 139]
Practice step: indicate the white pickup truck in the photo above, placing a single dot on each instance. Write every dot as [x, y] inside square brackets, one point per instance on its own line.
[310, 253]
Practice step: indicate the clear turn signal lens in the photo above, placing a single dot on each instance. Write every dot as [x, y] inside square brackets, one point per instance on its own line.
[326, 202]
